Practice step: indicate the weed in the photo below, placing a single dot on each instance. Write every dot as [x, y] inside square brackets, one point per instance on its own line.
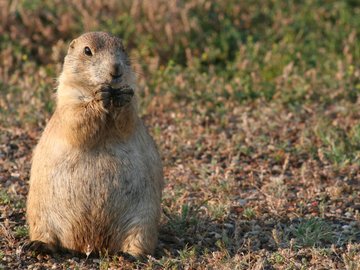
[21, 231]
[217, 211]
[180, 223]
[4, 197]
[312, 233]
[277, 258]
[340, 146]
[249, 213]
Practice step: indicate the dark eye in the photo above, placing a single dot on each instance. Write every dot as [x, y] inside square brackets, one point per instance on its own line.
[87, 51]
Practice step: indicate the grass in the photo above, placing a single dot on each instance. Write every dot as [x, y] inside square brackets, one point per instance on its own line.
[312, 233]
[4, 198]
[249, 213]
[254, 107]
[21, 231]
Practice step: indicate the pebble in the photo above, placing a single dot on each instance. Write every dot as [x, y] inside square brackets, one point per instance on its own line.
[228, 225]
[276, 168]
[256, 228]
[242, 202]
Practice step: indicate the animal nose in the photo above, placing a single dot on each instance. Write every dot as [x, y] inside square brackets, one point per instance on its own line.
[116, 71]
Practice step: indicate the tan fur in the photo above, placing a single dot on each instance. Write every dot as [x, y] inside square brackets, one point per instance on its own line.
[96, 176]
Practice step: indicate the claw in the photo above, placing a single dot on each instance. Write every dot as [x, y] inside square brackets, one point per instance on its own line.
[37, 246]
[122, 96]
[104, 95]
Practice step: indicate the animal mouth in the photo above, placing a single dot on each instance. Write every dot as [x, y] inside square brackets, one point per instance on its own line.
[116, 81]
[116, 77]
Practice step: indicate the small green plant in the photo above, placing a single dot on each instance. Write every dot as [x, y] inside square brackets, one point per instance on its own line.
[188, 256]
[249, 213]
[180, 223]
[312, 233]
[21, 231]
[4, 197]
[104, 264]
[187, 252]
[277, 258]
[217, 211]
[341, 147]
[18, 204]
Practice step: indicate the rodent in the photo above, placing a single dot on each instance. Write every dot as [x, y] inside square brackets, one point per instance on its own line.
[96, 176]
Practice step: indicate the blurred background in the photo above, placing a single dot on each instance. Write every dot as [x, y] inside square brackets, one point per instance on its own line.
[254, 106]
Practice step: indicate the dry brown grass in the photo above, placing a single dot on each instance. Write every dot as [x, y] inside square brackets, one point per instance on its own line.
[255, 108]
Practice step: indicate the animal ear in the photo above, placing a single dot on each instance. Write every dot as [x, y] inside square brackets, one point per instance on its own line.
[72, 44]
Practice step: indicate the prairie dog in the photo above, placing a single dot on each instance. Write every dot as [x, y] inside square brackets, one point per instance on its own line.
[96, 176]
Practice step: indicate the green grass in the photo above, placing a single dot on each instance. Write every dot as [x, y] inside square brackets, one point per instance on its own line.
[312, 233]
[4, 197]
[277, 258]
[21, 231]
[249, 213]
[340, 146]
[182, 221]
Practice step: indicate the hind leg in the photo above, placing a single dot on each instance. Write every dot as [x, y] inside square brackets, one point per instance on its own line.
[42, 239]
[140, 240]
[42, 235]
[39, 246]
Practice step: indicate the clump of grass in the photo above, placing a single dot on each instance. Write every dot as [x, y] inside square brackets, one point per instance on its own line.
[15, 201]
[249, 213]
[187, 253]
[313, 232]
[179, 223]
[217, 211]
[339, 146]
[21, 231]
[276, 188]
[277, 258]
[4, 197]
[351, 258]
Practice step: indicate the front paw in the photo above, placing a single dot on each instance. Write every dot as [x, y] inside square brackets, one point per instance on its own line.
[122, 96]
[103, 96]
[38, 246]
